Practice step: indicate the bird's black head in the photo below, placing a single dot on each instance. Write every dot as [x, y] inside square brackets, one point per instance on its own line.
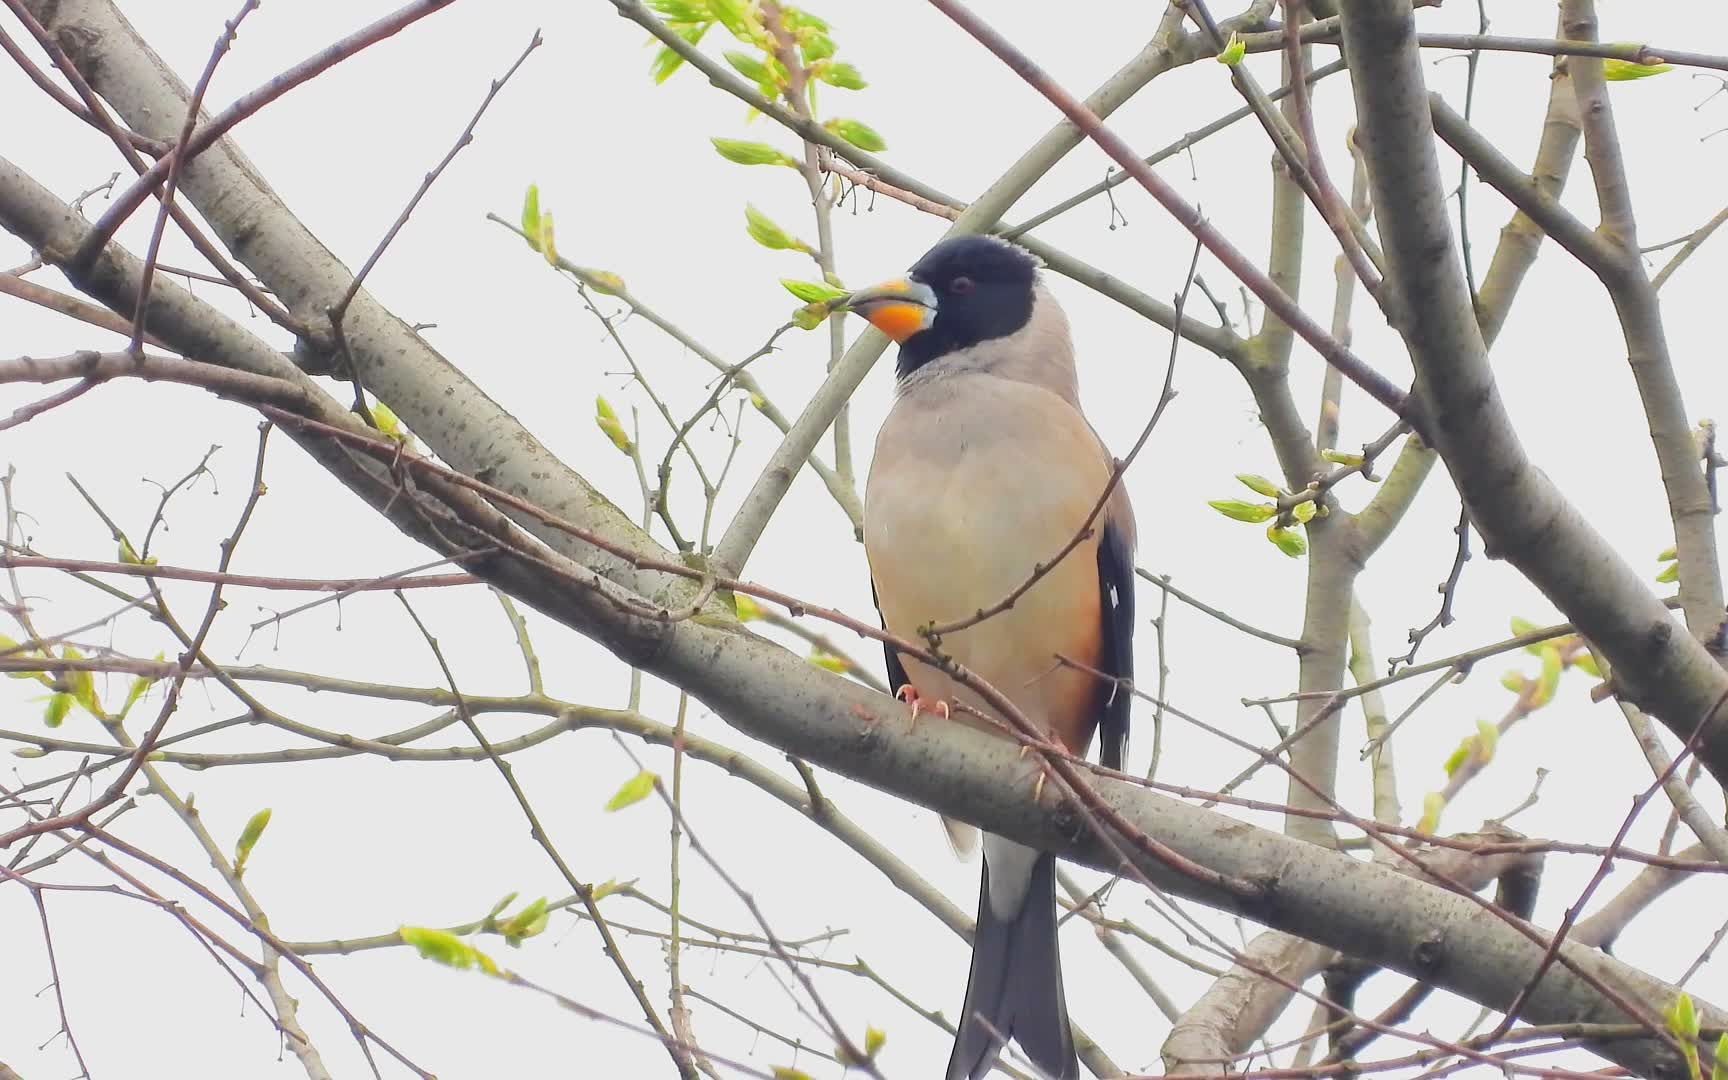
[965, 290]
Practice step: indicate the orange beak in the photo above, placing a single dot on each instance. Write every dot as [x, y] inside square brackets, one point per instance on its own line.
[898, 308]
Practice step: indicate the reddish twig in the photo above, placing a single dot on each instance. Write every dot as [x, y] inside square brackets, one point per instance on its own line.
[54, 971]
[1325, 194]
[71, 306]
[339, 310]
[848, 1049]
[129, 200]
[23, 414]
[544, 839]
[176, 162]
[1276, 300]
[361, 1032]
[80, 818]
[246, 581]
[153, 147]
[111, 127]
[1448, 591]
[1601, 875]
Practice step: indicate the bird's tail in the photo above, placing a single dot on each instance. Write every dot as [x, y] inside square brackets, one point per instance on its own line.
[1015, 990]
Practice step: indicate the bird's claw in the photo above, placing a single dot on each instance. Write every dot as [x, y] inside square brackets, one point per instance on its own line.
[915, 703]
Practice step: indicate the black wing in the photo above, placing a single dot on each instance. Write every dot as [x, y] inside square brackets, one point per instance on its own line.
[896, 670]
[1116, 591]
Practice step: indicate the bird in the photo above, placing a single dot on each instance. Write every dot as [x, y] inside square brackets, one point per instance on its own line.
[984, 469]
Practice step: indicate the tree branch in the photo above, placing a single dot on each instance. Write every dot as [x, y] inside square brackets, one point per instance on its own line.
[1520, 513]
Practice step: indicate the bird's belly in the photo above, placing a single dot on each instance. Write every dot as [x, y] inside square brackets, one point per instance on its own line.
[971, 528]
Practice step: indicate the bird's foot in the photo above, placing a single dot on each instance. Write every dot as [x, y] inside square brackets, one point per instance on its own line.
[915, 703]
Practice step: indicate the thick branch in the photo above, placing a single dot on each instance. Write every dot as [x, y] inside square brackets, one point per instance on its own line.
[1689, 502]
[1522, 516]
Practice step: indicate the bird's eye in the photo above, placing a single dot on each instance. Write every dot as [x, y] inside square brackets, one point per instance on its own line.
[960, 286]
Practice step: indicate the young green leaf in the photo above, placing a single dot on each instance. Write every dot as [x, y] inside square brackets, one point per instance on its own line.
[524, 924]
[249, 839]
[733, 15]
[1669, 574]
[1626, 70]
[389, 425]
[1522, 627]
[812, 292]
[1487, 740]
[1304, 512]
[531, 216]
[12, 648]
[745, 608]
[127, 555]
[1259, 485]
[606, 282]
[1682, 1017]
[446, 948]
[1290, 541]
[1237, 510]
[547, 246]
[498, 908]
[874, 1039]
[763, 230]
[741, 152]
[749, 67]
[1339, 457]
[140, 686]
[82, 685]
[815, 46]
[1549, 680]
[1719, 1071]
[1233, 52]
[1433, 804]
[810, 316]
[607, 888]
[634, 790]
[666, 62]
[1669, 555]
[607, 421]
[786, 1072]
[1459, 756]
[858, 133]
[841, 74]
[1586, 663]
[58, 706]
[1513, 681]
[680, 10]
[827, 661]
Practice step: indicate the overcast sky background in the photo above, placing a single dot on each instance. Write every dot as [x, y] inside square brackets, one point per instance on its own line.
[358, 847]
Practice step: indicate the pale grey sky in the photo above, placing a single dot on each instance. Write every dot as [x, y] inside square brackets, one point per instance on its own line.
[359, 847]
